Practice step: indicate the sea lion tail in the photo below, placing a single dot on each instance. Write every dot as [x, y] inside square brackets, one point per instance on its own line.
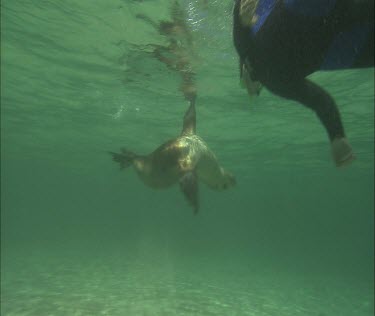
[125, 158]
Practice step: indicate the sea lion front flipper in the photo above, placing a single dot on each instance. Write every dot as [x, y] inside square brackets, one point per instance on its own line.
[189, 186]
[189, 120]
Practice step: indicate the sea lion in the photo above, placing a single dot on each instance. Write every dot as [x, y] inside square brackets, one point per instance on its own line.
[185, 159]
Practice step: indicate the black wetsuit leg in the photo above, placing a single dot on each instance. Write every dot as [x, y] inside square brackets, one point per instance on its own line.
[315, 98]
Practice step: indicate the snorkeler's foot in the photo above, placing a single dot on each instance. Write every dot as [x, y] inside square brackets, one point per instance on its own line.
[342, 152]
[247, 12]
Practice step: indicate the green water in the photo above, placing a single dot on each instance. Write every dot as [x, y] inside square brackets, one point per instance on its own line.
[79, 237]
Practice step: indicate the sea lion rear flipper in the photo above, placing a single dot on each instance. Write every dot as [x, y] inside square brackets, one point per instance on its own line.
[189, 120]
[189, 186]
[125, 158]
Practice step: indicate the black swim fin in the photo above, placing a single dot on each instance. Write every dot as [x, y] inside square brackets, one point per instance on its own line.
[189, 187]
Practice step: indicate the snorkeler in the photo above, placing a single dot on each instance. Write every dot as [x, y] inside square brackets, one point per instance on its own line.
[281, 42]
